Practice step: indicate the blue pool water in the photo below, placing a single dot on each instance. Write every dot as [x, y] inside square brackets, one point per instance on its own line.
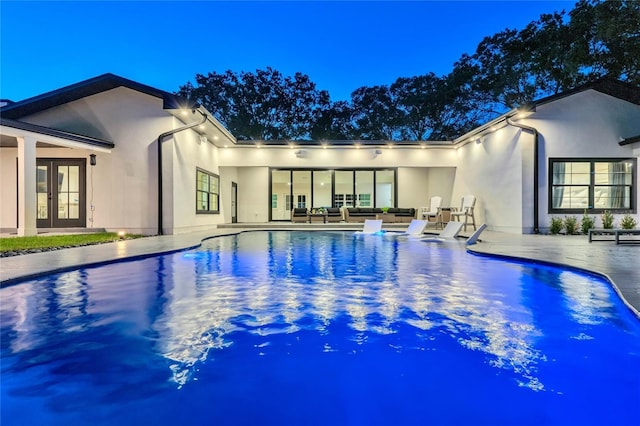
[318, 328]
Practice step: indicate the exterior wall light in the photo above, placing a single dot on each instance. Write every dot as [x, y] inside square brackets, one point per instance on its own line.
[92, 159]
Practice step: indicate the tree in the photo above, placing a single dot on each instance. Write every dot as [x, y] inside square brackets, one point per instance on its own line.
[375, 113]
[260, 106]
[334, 122]
[415, 98]
[607, 38]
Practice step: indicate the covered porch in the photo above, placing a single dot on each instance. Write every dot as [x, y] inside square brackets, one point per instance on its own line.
[46, 178]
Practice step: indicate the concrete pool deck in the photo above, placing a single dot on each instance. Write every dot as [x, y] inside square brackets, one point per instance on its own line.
[618, 263]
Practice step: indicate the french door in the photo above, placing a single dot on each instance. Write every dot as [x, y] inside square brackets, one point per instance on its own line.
[60, 186]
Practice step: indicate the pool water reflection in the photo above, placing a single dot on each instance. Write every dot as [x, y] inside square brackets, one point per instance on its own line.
[318, 328]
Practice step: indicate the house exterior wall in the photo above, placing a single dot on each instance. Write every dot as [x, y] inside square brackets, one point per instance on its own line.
[228, 175]
[125, 192]
[186, 153]
[499, 170]
[440, 182]
[588, 124]
[253, 194]
[493, 171]
[337, 157]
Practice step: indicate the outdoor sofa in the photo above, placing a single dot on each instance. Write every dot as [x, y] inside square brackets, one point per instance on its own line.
[401, 215]
[393, 214]
[360, 214]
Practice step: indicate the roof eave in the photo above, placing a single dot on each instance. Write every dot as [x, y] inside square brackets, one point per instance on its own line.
[41, 130]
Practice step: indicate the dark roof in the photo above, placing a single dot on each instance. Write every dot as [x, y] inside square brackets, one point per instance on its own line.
[629, 141]
[74, 92]
[607, 85]
[54, 132]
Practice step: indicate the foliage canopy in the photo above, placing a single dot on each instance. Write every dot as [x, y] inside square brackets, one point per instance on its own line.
[550, 55]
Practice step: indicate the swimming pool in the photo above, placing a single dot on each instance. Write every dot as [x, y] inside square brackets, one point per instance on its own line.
[318, 328]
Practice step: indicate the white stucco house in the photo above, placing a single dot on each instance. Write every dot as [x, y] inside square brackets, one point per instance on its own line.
[116, 154]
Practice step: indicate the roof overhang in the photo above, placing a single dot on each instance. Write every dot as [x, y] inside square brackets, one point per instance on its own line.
[629, 141]
[188, 112]
[10, 130]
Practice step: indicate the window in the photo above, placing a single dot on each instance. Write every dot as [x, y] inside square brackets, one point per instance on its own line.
[207, 192]
[592, 184]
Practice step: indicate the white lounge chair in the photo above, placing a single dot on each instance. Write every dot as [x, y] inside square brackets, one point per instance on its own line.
[474, 237]
[371, 226]
[431, 212]
[449, 233]
[416, 228]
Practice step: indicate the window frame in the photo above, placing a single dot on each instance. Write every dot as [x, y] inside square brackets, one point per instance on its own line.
[592, 185]
[209, 192]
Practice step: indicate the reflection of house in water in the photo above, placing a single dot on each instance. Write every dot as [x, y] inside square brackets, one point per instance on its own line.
[264, 290]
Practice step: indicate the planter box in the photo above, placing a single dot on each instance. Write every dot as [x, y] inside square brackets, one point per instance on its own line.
[620, 236]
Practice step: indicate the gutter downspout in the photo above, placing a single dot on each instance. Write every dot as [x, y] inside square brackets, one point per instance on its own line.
[160, 140]
[536, 229]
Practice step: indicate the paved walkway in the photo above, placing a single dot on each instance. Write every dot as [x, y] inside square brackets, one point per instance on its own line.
[619, 263]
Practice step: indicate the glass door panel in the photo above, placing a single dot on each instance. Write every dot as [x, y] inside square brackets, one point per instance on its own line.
[385, 184]
[42, 189]
[280, 194]
[364, 188]
[301, 188]
[321, 188]
[343, 188]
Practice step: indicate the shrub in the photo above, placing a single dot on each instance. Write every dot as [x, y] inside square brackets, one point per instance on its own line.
[628, 222]
[588, 222]
[556, 225]
[607, 220]
[571, 225]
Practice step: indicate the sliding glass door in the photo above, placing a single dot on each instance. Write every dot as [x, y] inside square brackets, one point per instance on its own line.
[312, 189]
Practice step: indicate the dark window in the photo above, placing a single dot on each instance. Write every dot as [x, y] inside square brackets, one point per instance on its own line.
[207, 192]
[592, 184]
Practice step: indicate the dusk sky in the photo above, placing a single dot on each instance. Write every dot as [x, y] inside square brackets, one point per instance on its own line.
[340, 45]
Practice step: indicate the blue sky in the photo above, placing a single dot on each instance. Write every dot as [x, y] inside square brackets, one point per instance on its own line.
[340, 45]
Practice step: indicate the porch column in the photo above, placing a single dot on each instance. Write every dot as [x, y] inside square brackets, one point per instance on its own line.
[26, 186]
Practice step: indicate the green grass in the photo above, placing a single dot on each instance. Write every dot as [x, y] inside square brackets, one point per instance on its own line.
[58, 241]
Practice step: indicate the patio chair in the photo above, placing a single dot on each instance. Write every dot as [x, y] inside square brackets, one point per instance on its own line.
[371, 226]
[449, 233]
[466, 211]
[431, 212]
[299, 215]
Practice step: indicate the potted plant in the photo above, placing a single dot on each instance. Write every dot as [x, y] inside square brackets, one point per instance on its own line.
[570, 225]
[556, 225]
[588, 222]
[607, 219]
[628, 222]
